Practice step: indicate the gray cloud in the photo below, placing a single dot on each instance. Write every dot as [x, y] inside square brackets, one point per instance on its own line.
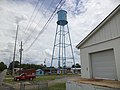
[82, 16]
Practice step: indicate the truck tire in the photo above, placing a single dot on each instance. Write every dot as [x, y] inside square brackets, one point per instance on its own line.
[31, 79]
[17, 79]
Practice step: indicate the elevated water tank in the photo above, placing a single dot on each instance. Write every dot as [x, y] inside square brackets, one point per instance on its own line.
[62, 17]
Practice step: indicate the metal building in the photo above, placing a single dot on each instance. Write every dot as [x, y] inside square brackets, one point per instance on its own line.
[100, 50]
[62, 50]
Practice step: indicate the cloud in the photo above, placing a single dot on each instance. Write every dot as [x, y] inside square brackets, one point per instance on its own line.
[83, 16]
[48, 52]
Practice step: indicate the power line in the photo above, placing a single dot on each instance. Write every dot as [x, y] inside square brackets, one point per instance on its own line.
[32, 19]
[38, 23]
[32, 14]
[62, 4]
[38, 35]
[40, 20]
[45, 24]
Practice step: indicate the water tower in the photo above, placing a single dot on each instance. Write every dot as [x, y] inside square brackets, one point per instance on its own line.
[62, 49]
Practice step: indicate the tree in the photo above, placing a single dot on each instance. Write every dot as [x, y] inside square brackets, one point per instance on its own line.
[16, 65]
[26, 66]
[2, 66]
[77, 66]
[32, 66]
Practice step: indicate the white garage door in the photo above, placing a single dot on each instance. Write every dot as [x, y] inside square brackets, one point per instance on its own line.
[103, 65]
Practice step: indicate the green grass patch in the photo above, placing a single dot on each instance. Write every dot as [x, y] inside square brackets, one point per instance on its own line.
[48, 77]
[58, 86]
[51, 77]
[8, 76]
[44, 78]
[10, 81]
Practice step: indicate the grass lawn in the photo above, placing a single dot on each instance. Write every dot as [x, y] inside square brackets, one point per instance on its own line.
[51, 77]
[58, 86]
[45, 78]
[9, 81]
[8, 76]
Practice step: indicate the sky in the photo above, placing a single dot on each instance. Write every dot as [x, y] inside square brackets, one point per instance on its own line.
[82, 15]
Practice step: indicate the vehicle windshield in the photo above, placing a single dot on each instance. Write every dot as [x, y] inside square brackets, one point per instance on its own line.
[23, 74]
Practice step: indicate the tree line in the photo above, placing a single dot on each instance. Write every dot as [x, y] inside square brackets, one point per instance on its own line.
[25, 66]
[28, 66]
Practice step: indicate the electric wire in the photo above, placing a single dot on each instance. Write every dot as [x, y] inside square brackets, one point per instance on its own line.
[36, 14]
[32, 15]
[38, 35]
[37, 24]
[45, 25]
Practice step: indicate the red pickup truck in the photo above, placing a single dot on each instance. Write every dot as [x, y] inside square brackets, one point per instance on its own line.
[24, 76]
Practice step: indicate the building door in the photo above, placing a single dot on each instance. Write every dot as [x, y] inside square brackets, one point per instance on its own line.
[103, 65]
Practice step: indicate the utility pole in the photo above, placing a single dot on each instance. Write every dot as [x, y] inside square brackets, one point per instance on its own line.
[20, 55]
[14, 50]
[45, 62]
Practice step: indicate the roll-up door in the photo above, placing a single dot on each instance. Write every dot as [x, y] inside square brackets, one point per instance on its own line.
[103, 65]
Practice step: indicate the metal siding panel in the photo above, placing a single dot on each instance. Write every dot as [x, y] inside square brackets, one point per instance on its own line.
[103, 34]
[108, 32]
[117, 21]
[115, 27]
[111, 30]
[103, 65]
[93, 40]
[98, 37]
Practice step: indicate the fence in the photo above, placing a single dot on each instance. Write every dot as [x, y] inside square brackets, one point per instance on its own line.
[34, 86]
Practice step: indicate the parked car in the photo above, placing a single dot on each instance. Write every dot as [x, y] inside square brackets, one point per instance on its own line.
[24, 76]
